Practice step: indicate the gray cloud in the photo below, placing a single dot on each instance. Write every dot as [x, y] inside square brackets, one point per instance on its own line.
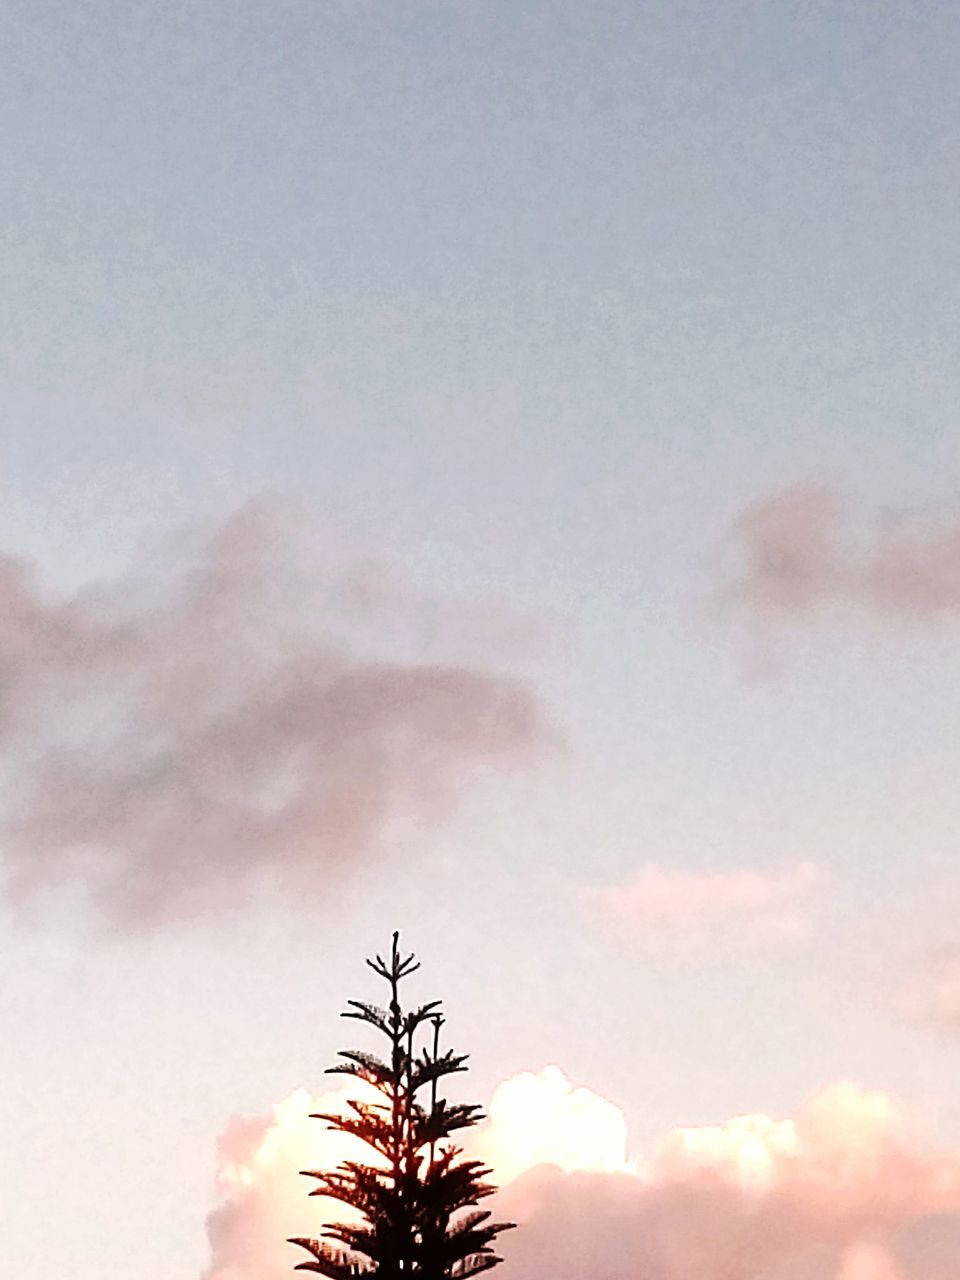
[174, 741]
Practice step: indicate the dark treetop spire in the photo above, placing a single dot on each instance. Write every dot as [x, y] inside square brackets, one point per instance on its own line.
[417, 1201]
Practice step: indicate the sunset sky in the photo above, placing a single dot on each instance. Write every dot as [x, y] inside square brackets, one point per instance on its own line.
[485, 468]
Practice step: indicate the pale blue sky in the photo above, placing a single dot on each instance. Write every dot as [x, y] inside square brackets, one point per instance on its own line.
[529, 300]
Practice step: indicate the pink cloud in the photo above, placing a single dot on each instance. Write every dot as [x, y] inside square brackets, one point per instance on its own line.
[661, 906]
[535, 1117]
[788, 546]
[797, 557]
[837, 1192]
[931, 996]
[263, 1198]
[211, 727]
[867, 1262]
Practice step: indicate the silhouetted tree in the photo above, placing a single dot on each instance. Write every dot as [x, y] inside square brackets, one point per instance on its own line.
[418, 1200]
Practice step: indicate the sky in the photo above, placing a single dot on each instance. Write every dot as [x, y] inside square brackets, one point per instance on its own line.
[488, 470]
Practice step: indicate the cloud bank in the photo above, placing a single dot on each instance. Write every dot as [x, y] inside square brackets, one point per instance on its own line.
[798, 558]
[534, 1118]
[207, 728]
[837, 1192]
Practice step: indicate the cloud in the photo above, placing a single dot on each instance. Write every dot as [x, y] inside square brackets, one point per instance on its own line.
[540, 1118]
[533, 1118]
[931, 997]
[675, 909]
[867, 1262]
[797, 558]
[787, 544]
[264, 1200]
[214, 725]
[837, 1192]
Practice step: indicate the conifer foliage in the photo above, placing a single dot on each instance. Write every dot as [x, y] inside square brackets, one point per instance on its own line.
[417, 1199]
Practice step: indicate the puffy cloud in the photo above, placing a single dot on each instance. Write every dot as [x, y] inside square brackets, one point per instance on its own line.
[215, 725]
[263, 1197]
[745, 1151]
[540, 1118]
[797, 557]
[534, 1118]
[668, 908]
[836, 1192]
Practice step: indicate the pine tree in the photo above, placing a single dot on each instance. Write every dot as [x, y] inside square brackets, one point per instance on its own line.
[418, 1200]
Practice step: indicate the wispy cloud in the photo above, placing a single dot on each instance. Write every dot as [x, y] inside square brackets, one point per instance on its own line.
[931, 994]
[798, 556]
[208, 728]
[670, 908]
